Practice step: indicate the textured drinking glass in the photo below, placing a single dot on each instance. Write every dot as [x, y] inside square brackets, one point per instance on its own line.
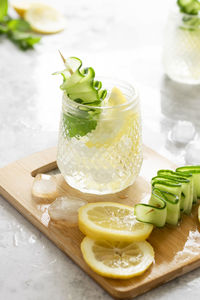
[181, 53]
[108, 158]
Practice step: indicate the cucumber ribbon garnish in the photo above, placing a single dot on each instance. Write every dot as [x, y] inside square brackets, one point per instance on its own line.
[79, 85]
[192, 9]
[173, 193]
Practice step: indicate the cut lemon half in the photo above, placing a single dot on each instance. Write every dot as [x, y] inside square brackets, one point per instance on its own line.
[112, 221]
[117, 259]
[44, 19]
[20, 6]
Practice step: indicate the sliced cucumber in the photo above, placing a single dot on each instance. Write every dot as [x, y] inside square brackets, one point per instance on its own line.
[167, 185]
[80, 84]
[195, 172]
[155, 212]
[173, 208]
[171, 193]
[191, 7]
[163, 208]
[187, 188]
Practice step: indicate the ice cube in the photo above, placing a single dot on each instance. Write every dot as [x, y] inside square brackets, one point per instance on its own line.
[65, 209]
[192, 154]
[182, 132]
[44, 188]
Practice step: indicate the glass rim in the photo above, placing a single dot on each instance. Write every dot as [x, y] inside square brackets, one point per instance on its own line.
[134, 95]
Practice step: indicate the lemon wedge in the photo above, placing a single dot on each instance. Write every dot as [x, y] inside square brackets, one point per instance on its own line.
[114, 123]
[20, 6]
[44, 19]
[117, 259]
[116, 97]
[112, 221]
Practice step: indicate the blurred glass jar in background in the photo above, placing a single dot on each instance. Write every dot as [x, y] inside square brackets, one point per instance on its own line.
[181, 52]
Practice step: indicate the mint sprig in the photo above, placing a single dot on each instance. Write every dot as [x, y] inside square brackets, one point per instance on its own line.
[17, 30]
[76, 126]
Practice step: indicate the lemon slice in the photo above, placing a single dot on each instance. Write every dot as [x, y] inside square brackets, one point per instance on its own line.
[44, 19]
[114, 123]
[112, 221]
[116, 97]
[117, 259]
[20, 6]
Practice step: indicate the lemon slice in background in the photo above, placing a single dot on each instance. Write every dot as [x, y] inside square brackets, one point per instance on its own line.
[44, 19]
[20, 6]
[117, 259]
[112, 221]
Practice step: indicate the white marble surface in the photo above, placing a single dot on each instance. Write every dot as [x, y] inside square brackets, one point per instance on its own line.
[115, 37]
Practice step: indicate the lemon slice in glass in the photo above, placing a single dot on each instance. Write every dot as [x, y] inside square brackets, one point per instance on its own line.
[113, 123]
[44, 19]
[117, 259]
[112, 221]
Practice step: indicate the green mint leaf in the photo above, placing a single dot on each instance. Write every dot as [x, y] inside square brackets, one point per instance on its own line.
[23, 40]
[3, 28]
[19, 25]
[17, 30]
[77, 127]
[3, 9]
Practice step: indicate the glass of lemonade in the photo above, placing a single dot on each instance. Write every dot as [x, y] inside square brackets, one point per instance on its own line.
[181, 52]
[106, 154]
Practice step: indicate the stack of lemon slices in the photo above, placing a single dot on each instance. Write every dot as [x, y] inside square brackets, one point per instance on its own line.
[41, 17]
[115, 244]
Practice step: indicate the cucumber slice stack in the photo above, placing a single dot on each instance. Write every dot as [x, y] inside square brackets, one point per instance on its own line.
[173, 193]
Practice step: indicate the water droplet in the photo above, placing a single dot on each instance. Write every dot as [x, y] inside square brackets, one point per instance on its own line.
[32, 239]
[15, 240]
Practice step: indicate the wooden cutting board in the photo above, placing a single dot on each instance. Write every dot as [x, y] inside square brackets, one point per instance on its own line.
[177, 250]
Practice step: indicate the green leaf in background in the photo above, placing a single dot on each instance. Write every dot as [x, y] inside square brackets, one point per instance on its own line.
[3, 29]
[23, 40]
[19, 33]
[3, 9]
[19, 25]
[17, 30]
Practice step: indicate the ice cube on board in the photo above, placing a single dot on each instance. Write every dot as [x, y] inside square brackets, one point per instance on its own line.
[44, 188]
[65, 209]
[182, 132]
